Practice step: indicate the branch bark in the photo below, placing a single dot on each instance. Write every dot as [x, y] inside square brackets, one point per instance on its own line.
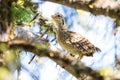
[42, 48]
[109, 8]
[5, 20]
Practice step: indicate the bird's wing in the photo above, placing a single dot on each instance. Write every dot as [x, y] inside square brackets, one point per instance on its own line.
[80, 42]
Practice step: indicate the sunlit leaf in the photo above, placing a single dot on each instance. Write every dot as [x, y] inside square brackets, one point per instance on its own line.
[20, 2]
[9, 56]
[106, 71]
[111, 73]
[91, 6]
[38, 46]
[5, 74]
[51, 54]
[3, 47]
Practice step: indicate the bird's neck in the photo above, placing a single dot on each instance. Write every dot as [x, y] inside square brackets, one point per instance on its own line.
[62, 27]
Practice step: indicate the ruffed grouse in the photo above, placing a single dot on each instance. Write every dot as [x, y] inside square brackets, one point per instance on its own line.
[72, 41]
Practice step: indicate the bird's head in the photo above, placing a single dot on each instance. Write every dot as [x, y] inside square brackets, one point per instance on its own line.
[59, 19]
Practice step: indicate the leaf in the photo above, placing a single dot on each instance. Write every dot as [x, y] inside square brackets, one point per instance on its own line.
[91, 6]
[21, 14]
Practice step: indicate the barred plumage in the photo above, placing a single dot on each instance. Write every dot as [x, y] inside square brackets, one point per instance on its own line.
[72, 41]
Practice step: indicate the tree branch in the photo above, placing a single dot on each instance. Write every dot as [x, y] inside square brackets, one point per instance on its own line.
[109, 8]
[42, 48]
[5, 20]
[67, 62]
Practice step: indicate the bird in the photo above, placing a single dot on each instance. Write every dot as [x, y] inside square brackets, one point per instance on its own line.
[73, 42]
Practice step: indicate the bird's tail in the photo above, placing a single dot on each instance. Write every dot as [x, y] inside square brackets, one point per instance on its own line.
[98, 49]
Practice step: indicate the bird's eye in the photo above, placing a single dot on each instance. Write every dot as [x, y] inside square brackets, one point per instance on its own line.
[59, 16]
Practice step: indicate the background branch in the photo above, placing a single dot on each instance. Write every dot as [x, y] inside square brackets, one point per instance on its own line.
[109, 8]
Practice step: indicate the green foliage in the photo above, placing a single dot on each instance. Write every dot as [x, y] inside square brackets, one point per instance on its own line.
[3, 47]
[42, 47]
[21, 14]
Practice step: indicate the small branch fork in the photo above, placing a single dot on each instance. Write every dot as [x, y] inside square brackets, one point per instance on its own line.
[43, 22]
